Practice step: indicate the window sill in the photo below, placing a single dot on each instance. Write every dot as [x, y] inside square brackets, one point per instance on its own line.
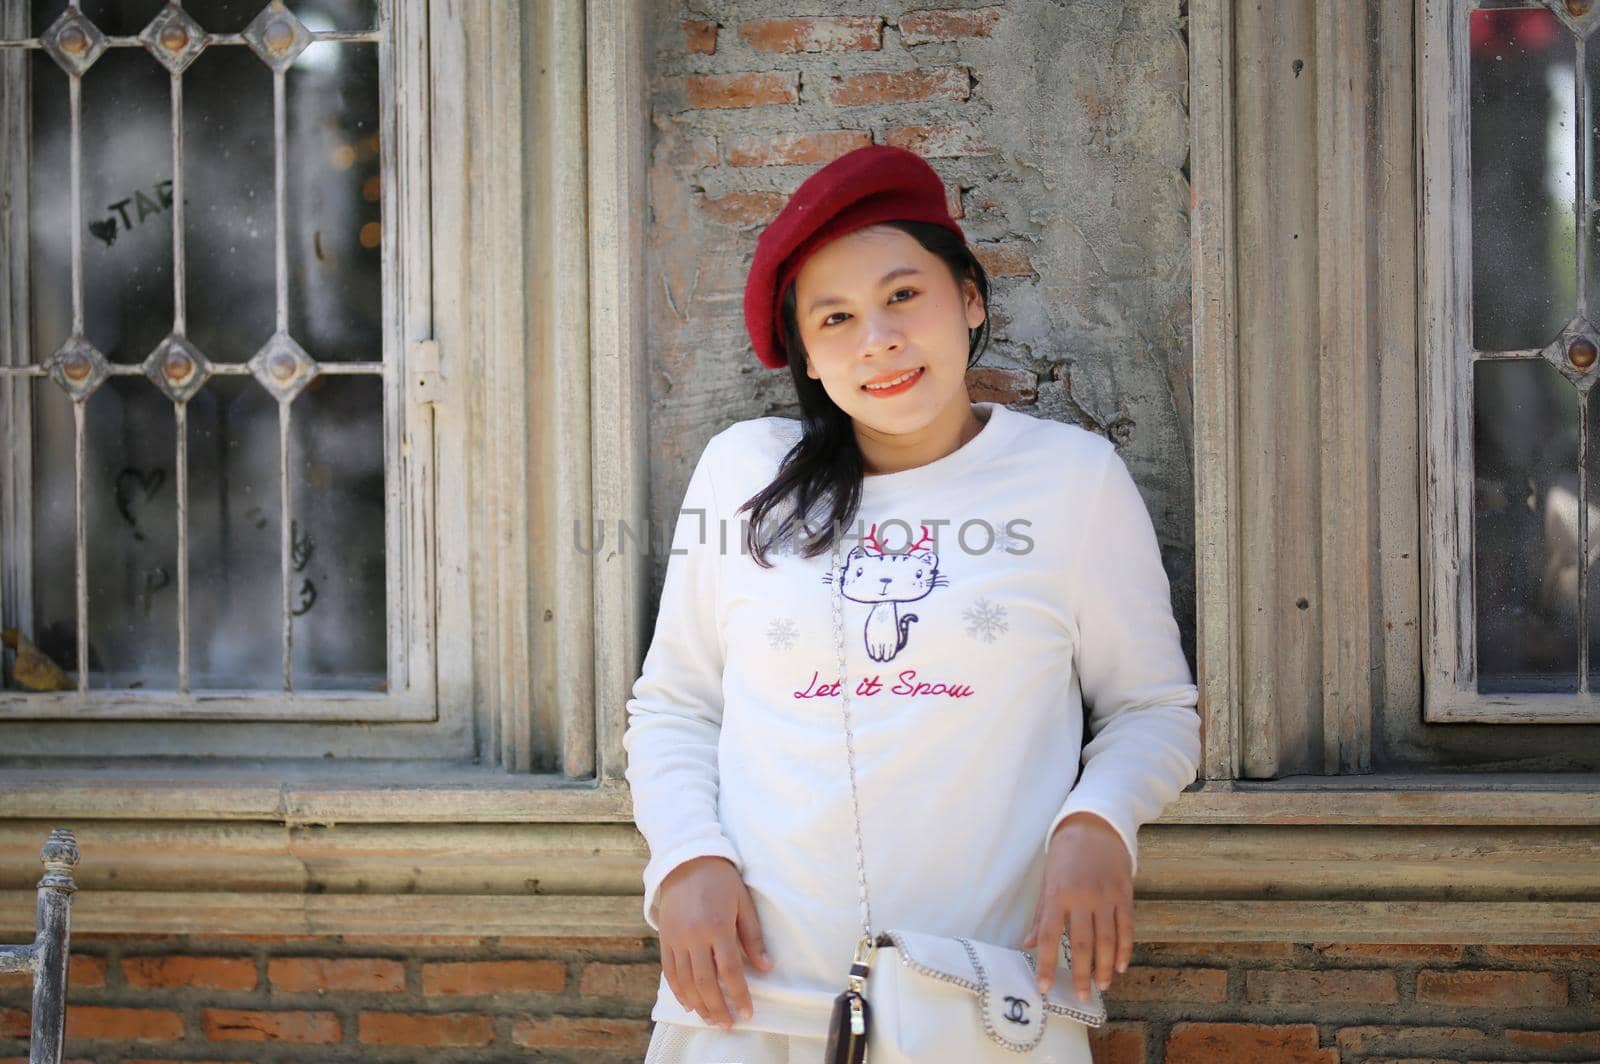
[308, 794]
[446, 851]
[328, 793]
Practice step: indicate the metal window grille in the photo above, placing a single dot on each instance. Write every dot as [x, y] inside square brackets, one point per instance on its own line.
[180, 370]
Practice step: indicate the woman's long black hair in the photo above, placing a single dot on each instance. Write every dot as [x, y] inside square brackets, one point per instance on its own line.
[824, 469]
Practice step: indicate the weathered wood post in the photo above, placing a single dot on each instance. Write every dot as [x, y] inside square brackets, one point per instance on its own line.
[50, 947]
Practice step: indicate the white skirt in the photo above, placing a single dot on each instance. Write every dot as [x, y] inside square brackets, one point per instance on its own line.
[678, 1043]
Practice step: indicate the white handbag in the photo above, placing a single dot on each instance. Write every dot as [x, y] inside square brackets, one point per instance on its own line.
[919, 998]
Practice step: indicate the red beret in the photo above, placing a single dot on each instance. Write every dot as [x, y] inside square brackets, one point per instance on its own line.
[878, 183]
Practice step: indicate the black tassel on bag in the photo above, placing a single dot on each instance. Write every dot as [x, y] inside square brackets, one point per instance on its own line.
[852, 1016]
[845, 1046]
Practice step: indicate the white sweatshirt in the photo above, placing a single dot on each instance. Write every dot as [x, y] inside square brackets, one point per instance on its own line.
[969, 660]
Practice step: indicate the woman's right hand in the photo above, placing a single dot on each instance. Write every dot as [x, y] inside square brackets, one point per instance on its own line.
[708, 926]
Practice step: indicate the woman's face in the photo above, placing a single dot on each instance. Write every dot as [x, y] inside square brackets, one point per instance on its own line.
[885, 330]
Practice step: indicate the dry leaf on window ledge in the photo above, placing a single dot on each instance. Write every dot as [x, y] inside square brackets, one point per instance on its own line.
[34, 669]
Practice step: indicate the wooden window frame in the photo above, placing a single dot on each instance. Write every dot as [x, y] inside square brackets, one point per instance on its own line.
[1449, 631]
[527, 368]
[415, 611]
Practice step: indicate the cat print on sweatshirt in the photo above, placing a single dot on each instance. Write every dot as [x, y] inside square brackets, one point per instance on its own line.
[883, 580]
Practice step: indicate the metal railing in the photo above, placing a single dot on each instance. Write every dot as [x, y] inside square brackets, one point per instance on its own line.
[46, 958]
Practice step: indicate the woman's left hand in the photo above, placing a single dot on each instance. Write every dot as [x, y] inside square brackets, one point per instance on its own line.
[1088, 890]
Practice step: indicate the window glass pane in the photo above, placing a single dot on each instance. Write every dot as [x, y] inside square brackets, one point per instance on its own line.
[230, 215]
[232, 16]
[54, 625]
[130, 490]
[1525, 445]
[130, 513]
[124, 18]
[333, 309]
[49, 211]
[235, 596]
[1524, 275]
[127, 201]
[335, 304]
[1592, 562]
[338, 586]
[1591, 238]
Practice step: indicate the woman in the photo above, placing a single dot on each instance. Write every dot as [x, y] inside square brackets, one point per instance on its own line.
[1001, 570]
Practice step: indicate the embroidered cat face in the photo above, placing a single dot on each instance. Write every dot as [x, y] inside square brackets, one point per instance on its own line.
[873, 578]
[882, 580]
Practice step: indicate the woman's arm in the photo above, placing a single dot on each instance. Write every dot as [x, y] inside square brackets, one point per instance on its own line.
[675, 713]
[1143, 745]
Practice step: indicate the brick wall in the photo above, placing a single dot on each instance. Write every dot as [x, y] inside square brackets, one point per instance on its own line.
[1061, 132]
[318, 1000]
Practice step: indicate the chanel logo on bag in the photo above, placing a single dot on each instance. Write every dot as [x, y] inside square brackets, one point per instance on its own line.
[1016, 1011]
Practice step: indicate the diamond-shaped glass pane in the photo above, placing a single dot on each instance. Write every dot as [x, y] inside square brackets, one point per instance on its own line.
[74, 42]
[177, 367]
[77, 366]
[283, 366]
[1581, 15]
[1574, 352]
[174, 38]
[277, 36]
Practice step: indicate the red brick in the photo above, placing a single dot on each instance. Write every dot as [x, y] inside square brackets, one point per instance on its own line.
[699, 36]
[426, 1029]
[85, 971]
[1118, 1043]
[952, 200]
[205, 973]
[494, 977]
[900, 86]
[1141, 983]
[581, 1032]
[1491, 990]
[847, 33]
[1407, 1040]
[1543, 954]
[1565, 1041]
[794, 149]
[258, 1025]
[307, 974]
[995, 384]
[939, 142]
[710, 91]
[745, 208]
[1004, 258]
[1246, 1043]
[1269, 986]
[14, 1023]
[123, 1024]
[637, 982]
[920, 27]
[1392, 953]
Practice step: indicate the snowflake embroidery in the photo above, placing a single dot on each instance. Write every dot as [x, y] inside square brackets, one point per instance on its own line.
[782, 633]
[985, 620]
[1006, 543]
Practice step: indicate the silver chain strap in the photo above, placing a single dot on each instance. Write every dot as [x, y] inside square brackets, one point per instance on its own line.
[849, 736]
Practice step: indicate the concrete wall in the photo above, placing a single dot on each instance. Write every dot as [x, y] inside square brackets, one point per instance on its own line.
[1061, 132]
